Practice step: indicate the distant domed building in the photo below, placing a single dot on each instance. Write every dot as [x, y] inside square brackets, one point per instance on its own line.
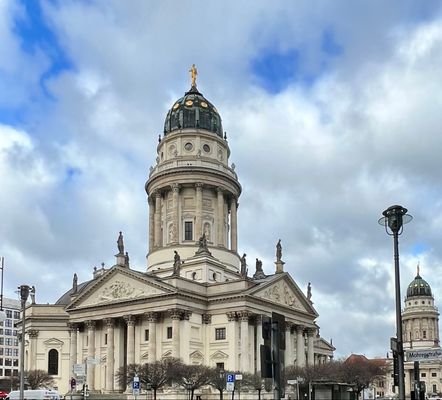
[198, 298]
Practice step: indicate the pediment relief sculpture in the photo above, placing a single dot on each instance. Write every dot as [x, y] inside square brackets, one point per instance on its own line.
[119, 290]
[281, 293]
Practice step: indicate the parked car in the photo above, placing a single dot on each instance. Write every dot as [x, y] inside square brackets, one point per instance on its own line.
[3, 394]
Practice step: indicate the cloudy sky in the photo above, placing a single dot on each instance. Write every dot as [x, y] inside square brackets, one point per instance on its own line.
[332, 111]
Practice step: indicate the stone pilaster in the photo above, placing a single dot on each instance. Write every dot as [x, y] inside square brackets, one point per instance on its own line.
[90, 326]
[130, 322]
[199, 210]
[110, 356]
[176, 212]
[157, 220]
[152, 318]
[33, 335]
[220, 218]
[288, 344]
[232, 335]
[259, 342]
[300, 346]
[151, 222]
[233, 225]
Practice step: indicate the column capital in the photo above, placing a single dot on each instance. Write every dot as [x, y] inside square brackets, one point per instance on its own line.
[206, 318]
[299, 328]
[187, 314]
[150, 199]
[231, 315]
[289, 326]
[33, 333]
[244, 315]
[151, 316]
[199, 185]
[220, 190]
[157, 194]
[73, 326]
[311, 331]
[109, 322]
[90, 324]
[130, 320]
[175, 187]
[175, 314]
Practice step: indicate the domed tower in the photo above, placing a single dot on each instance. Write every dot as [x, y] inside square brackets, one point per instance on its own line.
[420, 317]
[192, 191]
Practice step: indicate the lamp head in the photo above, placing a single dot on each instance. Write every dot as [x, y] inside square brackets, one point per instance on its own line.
[395, 217]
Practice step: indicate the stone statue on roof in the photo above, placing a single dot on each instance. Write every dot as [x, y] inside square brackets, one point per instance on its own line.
[193, 74]
[120, 244]
[309, 291]
[243, 265]
[278, 250]
[176, 264]
[75, 283]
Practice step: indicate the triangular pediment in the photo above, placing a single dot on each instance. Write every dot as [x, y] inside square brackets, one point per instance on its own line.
[219, 355]
[284, 291]
[119, 285]
[53, 342]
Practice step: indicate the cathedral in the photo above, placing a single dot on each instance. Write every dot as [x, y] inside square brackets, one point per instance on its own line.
[198, 299]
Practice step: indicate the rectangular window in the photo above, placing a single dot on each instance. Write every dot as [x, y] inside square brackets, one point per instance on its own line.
[8, 362]
[1, 330]
[7, 372]
[424, 334]
[15, 353]
[8, 341]
[8, 352]
[1, 361]
[188, 230]
[8, 332]
[220, 333]
[105, 338]
[14, 332]
[8, 314]
[423, 374]
[220, 366]
[434, 374]
[169, 332]
[16, 314]
[2, 341]
[434, 389]
[146, 335]
[8, 323]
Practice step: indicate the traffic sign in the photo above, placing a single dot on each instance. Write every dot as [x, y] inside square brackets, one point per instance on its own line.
[230, 386]
[238, 377]
[136, 385]
[424, 355]
[79, 369]
[136, 392]
[230, 378]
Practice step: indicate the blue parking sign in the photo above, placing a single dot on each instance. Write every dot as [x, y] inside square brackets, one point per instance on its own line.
[230, 377]
[136, 385]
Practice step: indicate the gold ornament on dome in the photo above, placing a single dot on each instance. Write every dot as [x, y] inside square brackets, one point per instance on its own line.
[193, 73]
[204, 104]
[189, 103]
[176, 105]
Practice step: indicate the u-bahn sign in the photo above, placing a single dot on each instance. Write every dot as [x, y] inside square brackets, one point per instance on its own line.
[424, 355]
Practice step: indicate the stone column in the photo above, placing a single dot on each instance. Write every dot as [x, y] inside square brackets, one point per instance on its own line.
[199, 210]
[185, 335]
[288, 344]
[90, 325]
[33, 335]
[220, 212]
[233, 340]
[152, 318]
[243, 316]
[233, 225]
[73, 333]
[259, 342]
[176, 216]
[175, 316]
[310, 347]
[110, 361]
[157, 220]
[151, 222]
[130, 321]
[206, 320]
[300, 346]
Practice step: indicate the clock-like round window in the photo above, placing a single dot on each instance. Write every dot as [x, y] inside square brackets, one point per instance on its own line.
[188, 146]
[206, 148]
[189, 103]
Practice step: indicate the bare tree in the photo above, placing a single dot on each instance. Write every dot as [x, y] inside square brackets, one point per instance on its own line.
[192, 377]
[254, 382]
[38, 378]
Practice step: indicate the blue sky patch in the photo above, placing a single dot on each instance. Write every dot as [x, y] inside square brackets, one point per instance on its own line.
[419, 248]
[329, 45]
[34, 32]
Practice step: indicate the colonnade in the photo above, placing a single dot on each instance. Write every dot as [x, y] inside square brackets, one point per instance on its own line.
[242, 342]
[224, 200]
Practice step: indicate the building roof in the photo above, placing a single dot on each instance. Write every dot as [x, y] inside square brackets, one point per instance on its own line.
[418, 287]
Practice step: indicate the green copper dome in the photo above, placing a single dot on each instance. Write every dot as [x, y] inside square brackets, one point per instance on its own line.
[193, 111]
[418, 287]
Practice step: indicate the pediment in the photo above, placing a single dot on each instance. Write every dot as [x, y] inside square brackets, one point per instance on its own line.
[53, 342]
[219, 355]
[118, 286]
[284, 291]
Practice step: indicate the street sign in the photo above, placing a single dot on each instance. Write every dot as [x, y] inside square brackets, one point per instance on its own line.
[136, 392]
[292, 382]
[230, 386]
[424, 355]
[79, 369]
[230, 378]
[136, 386]
[238, 377]
[93, 360]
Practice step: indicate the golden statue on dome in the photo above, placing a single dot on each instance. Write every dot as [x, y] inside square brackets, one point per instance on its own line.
[193, 74]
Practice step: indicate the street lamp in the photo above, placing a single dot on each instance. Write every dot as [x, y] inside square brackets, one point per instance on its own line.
[24, 291]
[2, 312]
[189, 390]
[393, 220]
[222, 377]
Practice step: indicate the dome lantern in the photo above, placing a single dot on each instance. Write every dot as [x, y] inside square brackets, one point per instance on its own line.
[418, 287]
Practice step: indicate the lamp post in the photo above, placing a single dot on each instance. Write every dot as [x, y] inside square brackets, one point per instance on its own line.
[24, 291]
[393, 220]
[2, 312]
[222, 377]
[189, 390]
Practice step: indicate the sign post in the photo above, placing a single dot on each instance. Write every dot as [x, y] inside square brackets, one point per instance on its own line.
[230, 382]
[136, 386]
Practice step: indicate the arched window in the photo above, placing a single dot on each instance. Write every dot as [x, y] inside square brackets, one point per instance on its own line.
[53, 362]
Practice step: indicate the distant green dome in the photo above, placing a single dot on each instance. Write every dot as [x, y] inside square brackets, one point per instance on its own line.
[194, 111]
[418, 287]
